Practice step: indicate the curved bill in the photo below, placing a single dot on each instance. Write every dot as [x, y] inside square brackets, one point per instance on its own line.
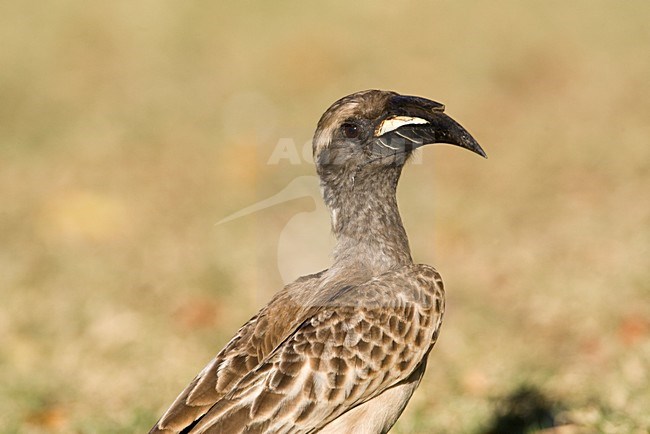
[414, 122]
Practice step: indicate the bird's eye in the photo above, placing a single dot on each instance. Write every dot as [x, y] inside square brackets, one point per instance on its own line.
[350, 131]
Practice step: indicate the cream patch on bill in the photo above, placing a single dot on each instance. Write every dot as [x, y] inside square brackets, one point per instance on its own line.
[395, 122]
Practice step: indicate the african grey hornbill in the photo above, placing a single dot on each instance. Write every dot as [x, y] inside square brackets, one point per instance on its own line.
[340, 351]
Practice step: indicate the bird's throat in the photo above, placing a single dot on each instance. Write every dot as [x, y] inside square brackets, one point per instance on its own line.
[366, 222]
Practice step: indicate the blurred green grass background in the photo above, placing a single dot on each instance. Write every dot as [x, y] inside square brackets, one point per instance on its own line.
[127, 129]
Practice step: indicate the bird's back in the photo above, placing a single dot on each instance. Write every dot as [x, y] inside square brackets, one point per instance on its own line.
[320, 348]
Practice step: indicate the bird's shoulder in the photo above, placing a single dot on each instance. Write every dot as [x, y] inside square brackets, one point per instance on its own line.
[416, 282]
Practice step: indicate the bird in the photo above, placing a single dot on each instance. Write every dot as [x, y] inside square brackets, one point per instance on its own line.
[341, 350]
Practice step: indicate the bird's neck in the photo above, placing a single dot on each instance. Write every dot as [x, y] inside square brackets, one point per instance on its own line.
[366, 221]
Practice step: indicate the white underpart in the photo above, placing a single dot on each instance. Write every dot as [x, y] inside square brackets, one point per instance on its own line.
[395, 122]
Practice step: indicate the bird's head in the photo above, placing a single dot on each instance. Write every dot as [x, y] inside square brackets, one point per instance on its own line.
[374, 129]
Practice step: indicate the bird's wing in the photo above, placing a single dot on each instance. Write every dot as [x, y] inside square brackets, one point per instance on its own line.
[252, 342]
[365, 340]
